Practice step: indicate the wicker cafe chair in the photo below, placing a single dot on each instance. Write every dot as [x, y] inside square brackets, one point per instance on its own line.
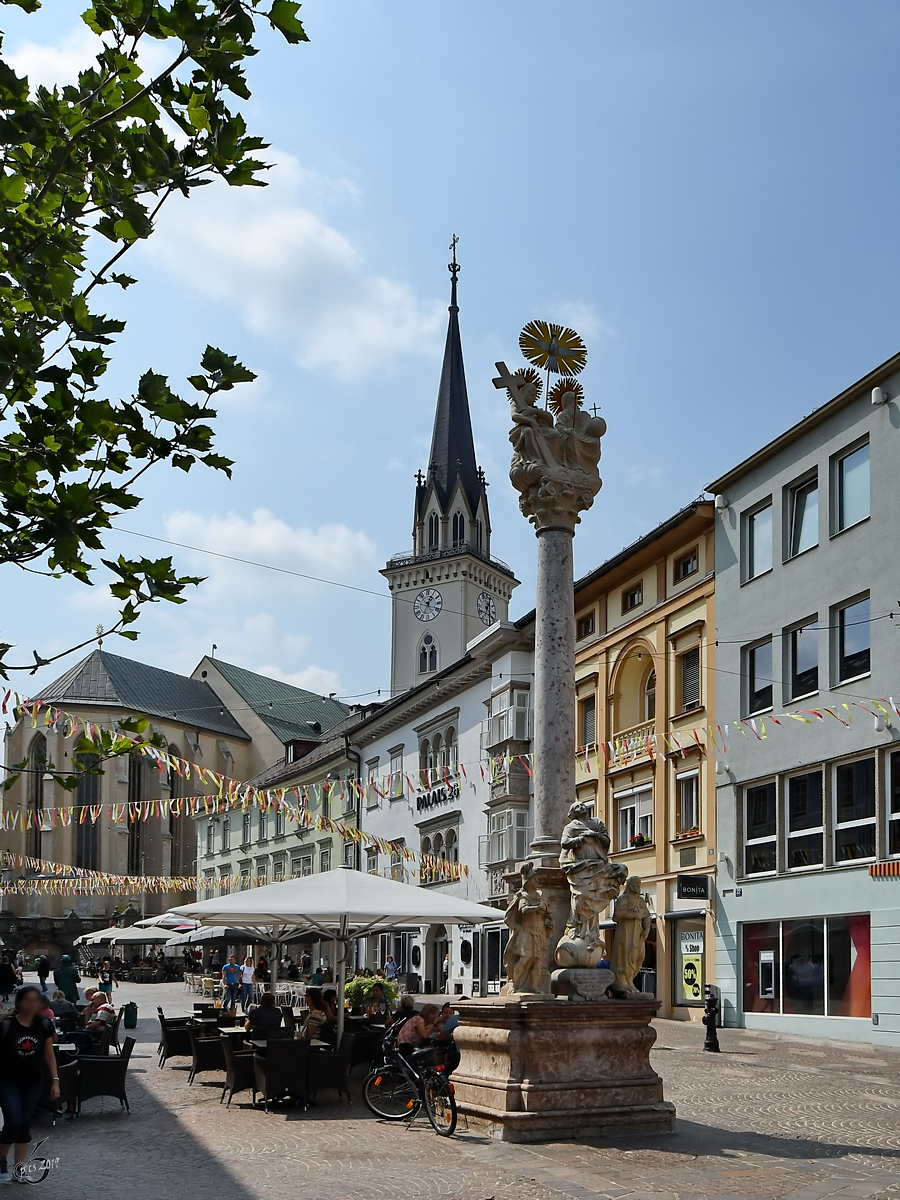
[329, 1069]
[174, 1038]
[239, 1073]
[99, 1076]
[283, 1072]
[206, 1054]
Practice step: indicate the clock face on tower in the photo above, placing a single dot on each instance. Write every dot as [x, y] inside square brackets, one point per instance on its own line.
[487, 609]
[428, 604]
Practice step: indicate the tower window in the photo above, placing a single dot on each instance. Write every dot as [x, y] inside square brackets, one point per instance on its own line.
[427, 655]
[479, 535]
[433, 531]
[459, 529]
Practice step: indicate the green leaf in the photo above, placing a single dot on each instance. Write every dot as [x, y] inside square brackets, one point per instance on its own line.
[13, 187]
[283, 16]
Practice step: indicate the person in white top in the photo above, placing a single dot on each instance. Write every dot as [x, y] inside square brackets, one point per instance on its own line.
[248, 978]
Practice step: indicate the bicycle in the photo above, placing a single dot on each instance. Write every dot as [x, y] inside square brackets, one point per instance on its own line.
[401, 1087]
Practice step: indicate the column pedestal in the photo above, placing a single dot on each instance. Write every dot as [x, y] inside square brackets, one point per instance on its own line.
[536, 1069]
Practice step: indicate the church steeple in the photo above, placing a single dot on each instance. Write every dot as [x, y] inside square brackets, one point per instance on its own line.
[452, 445]
[449, 589]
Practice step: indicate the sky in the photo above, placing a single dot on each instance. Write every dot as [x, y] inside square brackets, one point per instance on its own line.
[707, 192]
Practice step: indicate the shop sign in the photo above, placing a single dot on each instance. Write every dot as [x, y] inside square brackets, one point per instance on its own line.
[692, 887]
[692, 976]
[436, 797]
[692, 943]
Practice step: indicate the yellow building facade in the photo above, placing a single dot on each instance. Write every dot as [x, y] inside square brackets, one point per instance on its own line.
[645, 629]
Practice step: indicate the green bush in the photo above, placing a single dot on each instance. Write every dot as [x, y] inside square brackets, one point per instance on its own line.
[358, 991]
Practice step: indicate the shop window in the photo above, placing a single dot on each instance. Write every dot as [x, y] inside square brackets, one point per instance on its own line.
[851, 479]
[854, 640]
[758, 542]
[894, 807]
[762, 967]
[803, 958]
[803, 647]
[687, 962]
[758, 664]
[760, 829]
[688, 786]
[804, 516]
[854, 811]
[634, 817]
[805, 833]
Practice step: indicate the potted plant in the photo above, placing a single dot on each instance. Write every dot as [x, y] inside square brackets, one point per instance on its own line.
[639, 839]
[692, 832]
[358, 990]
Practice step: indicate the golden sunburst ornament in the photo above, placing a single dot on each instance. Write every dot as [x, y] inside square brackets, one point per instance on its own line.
[553, 347]
[531, 377]
[559, 389]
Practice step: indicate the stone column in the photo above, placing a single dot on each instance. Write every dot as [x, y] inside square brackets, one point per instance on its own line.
[554, 691]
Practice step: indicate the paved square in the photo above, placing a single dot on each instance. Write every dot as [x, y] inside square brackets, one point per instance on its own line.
[770, 1117]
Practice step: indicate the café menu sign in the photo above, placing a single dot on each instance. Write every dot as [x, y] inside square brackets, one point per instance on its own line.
[437, 796]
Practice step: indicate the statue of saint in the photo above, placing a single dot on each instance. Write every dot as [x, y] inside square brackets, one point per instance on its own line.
[593, 882]
[632, 918]
[530, 924]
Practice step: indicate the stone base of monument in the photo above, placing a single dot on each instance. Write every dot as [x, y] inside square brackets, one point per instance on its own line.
[538, 1069]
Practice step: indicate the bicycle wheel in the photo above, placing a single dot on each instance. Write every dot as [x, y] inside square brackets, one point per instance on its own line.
[440, 1103]
[387, 1093]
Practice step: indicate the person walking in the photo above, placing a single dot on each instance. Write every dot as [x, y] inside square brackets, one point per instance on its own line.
[8, 979]
[43, 971]
[106, 978]
[231, 983]
[247, 981]
[391, 970]
[26, 1051]
[67, 979]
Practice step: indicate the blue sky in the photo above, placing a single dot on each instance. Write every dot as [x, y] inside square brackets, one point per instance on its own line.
[707, 192]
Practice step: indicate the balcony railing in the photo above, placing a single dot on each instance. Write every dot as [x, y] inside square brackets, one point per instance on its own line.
[403, 558]
[633, 744]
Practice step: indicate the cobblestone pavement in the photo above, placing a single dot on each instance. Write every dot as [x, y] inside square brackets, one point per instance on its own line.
[771, 1116]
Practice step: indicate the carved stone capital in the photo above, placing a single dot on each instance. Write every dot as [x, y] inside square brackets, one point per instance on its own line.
[554, 501]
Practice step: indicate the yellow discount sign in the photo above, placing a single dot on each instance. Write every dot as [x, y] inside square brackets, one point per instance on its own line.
[692, 976]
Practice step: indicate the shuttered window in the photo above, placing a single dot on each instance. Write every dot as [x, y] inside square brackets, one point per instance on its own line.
[588, 721]
[690, 679]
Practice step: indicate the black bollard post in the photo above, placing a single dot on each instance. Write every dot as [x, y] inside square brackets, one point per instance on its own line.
[710, 1018]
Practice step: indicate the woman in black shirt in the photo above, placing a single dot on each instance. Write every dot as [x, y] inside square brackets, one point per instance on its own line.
[26, 1049]
[264, 1016]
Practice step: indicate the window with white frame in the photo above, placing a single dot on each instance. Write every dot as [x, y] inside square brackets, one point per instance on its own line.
[633, 596]
[803, 501]
[372, 862]
[211, 837]
[805, 829]
[803, 652]
[262, 871]
[854, 634]
[373, 783]
[397, 860]
[224, 880]
[209, 884]
[634, 817]
[650, 697]
[349, 854]
[396, 781]
[278, 870]
[279, 822]
[507, 839]
[263, 824]
[688, 786]
[851, 483]
[301, 866]
[246, 829]
[758, 662]
[226, 833]
[893, 840]
[760, 829]
[325, 858]
[758, 541]
[854, 810]
[245, 876]
[510, 716]
[685, 566]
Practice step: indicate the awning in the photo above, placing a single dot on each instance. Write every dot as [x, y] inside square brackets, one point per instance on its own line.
[692, 913]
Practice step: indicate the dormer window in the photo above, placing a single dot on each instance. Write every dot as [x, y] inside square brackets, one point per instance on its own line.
[459, 529]
[434, 531]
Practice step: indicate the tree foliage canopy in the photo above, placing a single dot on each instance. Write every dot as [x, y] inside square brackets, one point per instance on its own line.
[86, 169]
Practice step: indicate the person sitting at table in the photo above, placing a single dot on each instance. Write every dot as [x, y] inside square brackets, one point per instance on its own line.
[47, 1011]
[419, 1027]
[316, 1017]
[317, 978]
[99, 1013]
[263, 1016]
[378, 1010]
[60, 1004]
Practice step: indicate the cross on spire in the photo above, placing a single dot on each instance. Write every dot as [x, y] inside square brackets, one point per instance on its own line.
[453, 268]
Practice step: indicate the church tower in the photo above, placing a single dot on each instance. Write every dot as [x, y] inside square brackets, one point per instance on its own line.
[449, 589]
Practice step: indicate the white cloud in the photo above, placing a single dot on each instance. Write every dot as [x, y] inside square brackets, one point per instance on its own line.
[584, 318]
[291, 275]
[59, 63]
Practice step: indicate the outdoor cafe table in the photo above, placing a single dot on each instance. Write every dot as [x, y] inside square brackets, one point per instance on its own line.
[207, 1025]
[260, 1044]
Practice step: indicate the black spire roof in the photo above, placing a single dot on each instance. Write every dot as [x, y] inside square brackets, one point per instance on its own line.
[452, 444]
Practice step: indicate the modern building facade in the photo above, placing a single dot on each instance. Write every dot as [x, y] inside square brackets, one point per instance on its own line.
[646, 689]
[808, 672]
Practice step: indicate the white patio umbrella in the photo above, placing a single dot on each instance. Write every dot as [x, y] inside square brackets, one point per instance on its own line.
[138, 937]
[96, 936]
[165, 920]
[341, 905]
[211, 933]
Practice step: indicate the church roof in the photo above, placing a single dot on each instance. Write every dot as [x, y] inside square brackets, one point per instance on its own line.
[109, 679]
[290, 712]
[452, 444]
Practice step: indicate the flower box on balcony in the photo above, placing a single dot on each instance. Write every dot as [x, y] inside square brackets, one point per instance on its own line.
[687, 834]
[638, 840]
